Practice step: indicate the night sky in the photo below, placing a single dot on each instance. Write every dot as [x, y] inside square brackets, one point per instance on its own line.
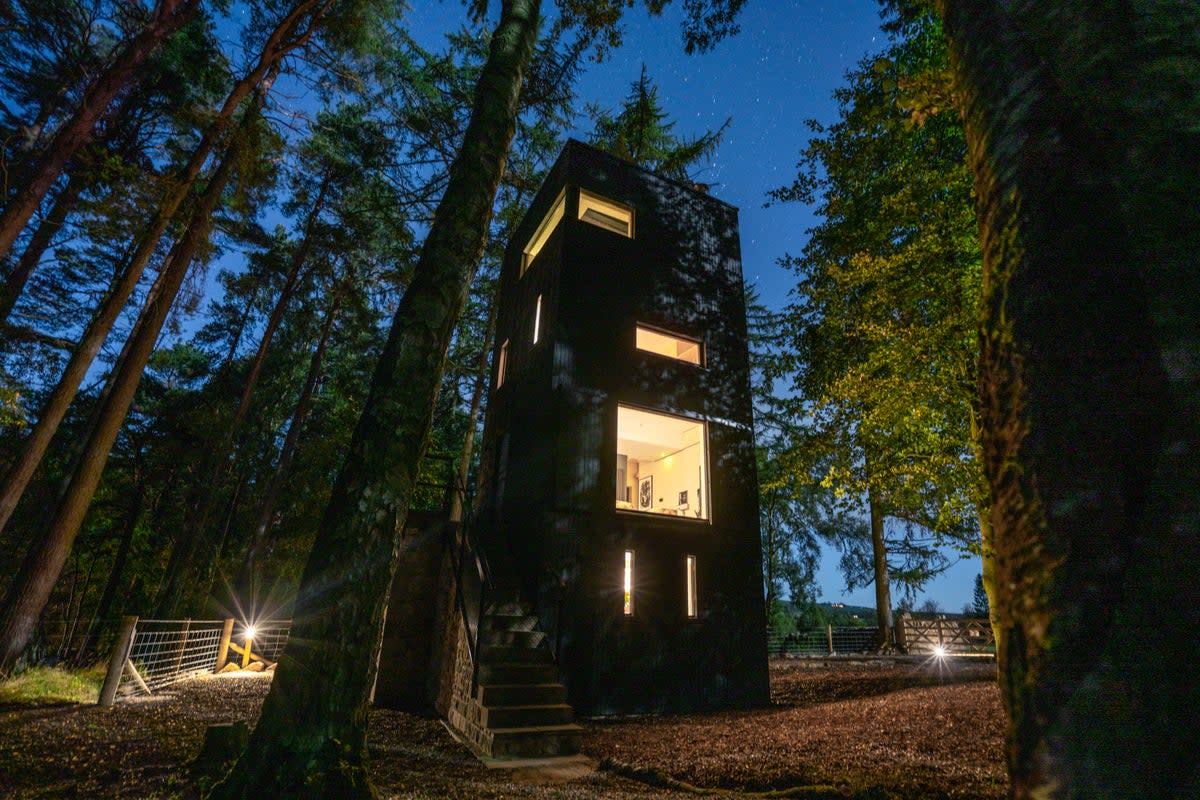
[778, 72]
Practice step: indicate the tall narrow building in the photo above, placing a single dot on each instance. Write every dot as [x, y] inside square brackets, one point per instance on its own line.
[618, 487]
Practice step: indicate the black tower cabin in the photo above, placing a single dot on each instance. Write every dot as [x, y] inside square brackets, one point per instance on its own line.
[618, 485]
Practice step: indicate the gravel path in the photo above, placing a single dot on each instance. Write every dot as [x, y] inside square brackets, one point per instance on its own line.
[866, 729]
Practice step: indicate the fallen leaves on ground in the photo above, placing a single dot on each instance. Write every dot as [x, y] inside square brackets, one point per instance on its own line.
[869, 729]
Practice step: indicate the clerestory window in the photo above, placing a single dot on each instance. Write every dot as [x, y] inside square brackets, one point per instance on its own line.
[669, 344]
[544, 229]
[605, 213]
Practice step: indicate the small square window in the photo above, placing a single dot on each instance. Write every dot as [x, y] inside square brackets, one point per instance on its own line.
[544, 229]
[669, 344]
[605, 213]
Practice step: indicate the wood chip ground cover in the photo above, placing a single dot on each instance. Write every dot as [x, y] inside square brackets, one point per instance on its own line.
[868, 729]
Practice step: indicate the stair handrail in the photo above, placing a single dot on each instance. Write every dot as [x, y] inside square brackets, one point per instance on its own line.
[464, 550]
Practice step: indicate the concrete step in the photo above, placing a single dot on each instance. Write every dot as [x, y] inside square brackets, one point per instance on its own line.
[540, 742]
[527, 639]
[517, 672]
[508, 654]
[509, 622]
[508, 607]
[539, 716]
[522, 694]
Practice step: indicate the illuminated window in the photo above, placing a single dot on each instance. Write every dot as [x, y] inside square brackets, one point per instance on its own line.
[605, 213]
[544, 229]
[662, 464]
[689, 566]
[628, 583]
[502, 370]
[537, 319]
[668, 344]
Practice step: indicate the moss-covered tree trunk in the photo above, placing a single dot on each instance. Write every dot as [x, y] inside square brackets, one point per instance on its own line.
[311, 736]
[1081, 119]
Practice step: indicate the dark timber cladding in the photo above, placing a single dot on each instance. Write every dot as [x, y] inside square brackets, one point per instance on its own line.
[618, 479]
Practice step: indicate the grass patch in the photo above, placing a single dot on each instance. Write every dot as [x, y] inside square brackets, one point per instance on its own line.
[40, 686]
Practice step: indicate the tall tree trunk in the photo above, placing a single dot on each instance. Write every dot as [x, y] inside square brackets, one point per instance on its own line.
[310, 741]
[482, 370]
[46, 556]
[246, 584]
[169, 16]
[117, 571]
[1080, 118]
[883, 583]
[284, 39]
[194, 544]
[64, 203]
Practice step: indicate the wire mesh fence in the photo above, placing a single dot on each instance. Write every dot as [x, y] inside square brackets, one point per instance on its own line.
[823, 641]
[270, 636]
[151, 654]
[166, 651]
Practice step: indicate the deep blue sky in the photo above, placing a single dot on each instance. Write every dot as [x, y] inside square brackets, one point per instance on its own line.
[778, 72]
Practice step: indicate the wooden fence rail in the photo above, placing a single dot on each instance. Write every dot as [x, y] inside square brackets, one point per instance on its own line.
[947, 636]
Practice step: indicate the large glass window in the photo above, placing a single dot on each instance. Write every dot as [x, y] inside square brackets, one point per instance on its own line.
[662, 464]
[668, 344]
[605, 213]
[544, 229]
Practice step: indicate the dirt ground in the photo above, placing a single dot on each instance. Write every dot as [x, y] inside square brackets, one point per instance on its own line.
[873, 729]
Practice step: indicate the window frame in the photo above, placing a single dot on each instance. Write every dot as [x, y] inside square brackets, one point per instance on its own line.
[502, 366]
[654, 330]
[589, 199]
[691, 588]
[627, 582]
[541, 234]
[706, 484]
[537, 320]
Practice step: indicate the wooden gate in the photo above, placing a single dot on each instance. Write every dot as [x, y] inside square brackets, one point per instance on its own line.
[952, 636]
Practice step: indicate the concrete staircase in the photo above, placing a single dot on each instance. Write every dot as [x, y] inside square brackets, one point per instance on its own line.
[524, 711]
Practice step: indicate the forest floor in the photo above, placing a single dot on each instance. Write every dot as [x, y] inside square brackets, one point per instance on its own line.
[862, 729]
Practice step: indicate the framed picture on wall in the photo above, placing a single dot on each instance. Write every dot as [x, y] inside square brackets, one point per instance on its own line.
[646, 493]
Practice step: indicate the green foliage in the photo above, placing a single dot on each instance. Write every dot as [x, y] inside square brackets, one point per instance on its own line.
[640, 132]
[979, 599]
[881, 334]
[47, 686]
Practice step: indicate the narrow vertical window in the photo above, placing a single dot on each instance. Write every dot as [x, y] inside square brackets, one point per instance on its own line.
[628, 581]
[502, 370]
[693, 605]
[537, 319]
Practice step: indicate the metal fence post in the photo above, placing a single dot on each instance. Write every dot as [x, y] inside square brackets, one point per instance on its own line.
[223, 647]
[116, 664]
